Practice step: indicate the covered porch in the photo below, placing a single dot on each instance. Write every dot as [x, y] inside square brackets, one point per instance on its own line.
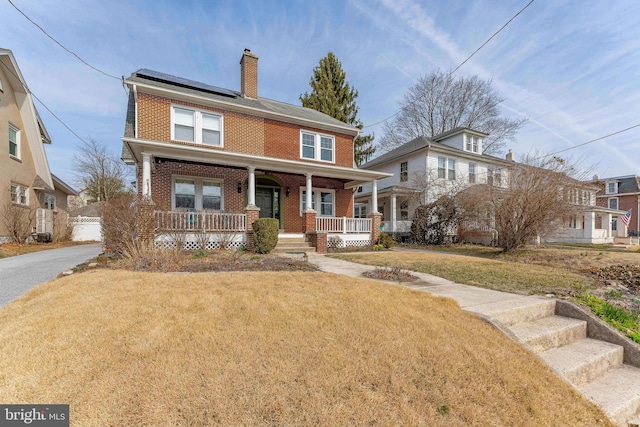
[211, 198]
[395, 204]
[595, 225]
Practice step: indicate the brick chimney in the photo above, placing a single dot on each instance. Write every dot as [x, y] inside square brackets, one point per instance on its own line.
[510, 156]
[249, 74]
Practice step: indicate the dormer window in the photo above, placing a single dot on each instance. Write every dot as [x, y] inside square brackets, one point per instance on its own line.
[472, 143]
[612, 187]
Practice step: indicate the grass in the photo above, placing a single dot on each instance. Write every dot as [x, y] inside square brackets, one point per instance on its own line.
[266, 349]
[625, 321]
[13, 249]
[480, 271]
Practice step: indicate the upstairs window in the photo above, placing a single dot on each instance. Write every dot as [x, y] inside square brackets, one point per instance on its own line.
[49, 201]
[404, 172]
[472, 143]
[314, 146]
[613, 203]
[196, 126]
[612, 187]
[489, 175]
[14, 142]
[446, 168]
[472, 173]
[497, 178]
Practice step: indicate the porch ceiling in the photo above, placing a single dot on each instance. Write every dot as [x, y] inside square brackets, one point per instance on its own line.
[354, 177]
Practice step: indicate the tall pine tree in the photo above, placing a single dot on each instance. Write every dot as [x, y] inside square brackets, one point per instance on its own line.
[332, 95]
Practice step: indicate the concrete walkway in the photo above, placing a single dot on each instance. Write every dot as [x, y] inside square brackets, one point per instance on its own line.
[481, 301]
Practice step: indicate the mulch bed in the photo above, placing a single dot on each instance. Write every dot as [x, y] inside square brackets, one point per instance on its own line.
[619, 284]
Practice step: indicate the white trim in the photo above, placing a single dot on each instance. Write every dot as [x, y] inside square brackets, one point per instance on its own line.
[19, 189]
[615, 186]
[198, 184]
[317, 200]
[317, 148]
[242, 108]
[18, 148]
[197, 124]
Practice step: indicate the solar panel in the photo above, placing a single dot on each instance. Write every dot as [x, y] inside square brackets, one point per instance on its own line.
[179, 81]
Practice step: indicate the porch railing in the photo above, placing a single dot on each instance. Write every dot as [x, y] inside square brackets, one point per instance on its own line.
[174, 221]
[343, 225]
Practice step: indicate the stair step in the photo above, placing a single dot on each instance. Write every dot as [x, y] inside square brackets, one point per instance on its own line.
[584, 360]
[293, 244]
[617, 392]
[300, 250]
[292, 240]
[550, 332]
[512, 311]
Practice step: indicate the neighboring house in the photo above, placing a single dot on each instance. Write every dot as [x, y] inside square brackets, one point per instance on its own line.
[622, 193]
[26, 183]
[83, 198]
[424, 169]
[215, 159]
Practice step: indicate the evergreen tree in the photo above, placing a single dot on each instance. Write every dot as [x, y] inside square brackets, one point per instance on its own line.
[331, 94]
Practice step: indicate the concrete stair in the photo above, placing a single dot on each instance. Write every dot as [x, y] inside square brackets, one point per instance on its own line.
[594, 367]
[292, 244]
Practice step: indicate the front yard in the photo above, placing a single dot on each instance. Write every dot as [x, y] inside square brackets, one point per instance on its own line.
[269, 348]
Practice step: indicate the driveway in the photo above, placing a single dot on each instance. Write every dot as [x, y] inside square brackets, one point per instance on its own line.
[20, 273]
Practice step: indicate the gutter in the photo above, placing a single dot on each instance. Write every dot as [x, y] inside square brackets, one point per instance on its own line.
[135, 119]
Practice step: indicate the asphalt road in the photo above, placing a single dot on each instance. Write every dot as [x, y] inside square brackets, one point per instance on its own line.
[20, 273]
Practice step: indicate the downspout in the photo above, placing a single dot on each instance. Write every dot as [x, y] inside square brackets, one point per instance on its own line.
[426, 169]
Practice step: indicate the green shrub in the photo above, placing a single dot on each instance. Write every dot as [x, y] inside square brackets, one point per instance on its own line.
[385, 240]
[265, 235]
[627, 322]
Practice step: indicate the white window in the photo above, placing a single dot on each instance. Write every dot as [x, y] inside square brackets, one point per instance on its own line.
[14, 142]
[315, 146]
[613, 203]
[360, 211]
[196, 194]
[472, 143]
[404, 172]
[201, 127]
[472, 173]
[446, 168]
[497, 178]
[612, 187]
[49, 201]
[326, 197]
[404, 210]
[19, 194]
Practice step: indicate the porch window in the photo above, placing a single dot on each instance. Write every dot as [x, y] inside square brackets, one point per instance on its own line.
[613, 203]
[360, 211]
[404, 210]
[196, 194]
[19, 194]
[472, 173]
[315, 146]
[327, 201]
[14, 141]
[196, 126]
[404, 171]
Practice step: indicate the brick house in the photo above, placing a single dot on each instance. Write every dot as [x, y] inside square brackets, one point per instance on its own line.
[214, 160]
[622, 193]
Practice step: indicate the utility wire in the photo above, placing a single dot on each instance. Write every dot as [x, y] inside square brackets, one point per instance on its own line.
[594, 140]
[463, 62]
[62, 46]
[43, 104]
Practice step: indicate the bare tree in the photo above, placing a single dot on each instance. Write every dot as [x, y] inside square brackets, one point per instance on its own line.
[18, 220]
[536, 201]
[103, 174]
[439, 103]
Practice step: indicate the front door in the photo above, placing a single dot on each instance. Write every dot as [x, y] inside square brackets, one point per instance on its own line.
[264, 200]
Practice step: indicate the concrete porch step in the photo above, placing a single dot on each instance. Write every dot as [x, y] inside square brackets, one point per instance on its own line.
[618, 393]
[550, 332]
[287, 244]
[584, 360]
[293, 249]
[517, 310]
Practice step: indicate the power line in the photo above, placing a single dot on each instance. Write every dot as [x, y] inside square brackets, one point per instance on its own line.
[60, 44]
[42, 103]
[463, 62]
[594, 140]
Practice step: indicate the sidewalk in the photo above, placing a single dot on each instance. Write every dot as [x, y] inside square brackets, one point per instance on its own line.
[481, 301]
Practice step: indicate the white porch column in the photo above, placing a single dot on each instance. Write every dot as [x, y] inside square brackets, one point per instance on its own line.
[589, 225]
[146, 174]
[374, 196]
[608, 218]
[393, 213]
[251, 195]
[308, 206]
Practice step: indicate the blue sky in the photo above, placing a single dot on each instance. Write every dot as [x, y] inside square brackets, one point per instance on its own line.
[571, 67]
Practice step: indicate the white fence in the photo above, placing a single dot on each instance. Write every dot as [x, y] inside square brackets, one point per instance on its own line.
[343, 225]
[85, 228]
[174, 221]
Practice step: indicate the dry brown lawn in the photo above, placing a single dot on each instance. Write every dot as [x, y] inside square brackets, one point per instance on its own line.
[269, 349]
[13, 249]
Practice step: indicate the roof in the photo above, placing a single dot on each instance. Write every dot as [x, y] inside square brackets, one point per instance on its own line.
[39, 184]
[91, 210]
[424, 142]
[456, 131]
[234, 99]
[626, 184]
[59, 184]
